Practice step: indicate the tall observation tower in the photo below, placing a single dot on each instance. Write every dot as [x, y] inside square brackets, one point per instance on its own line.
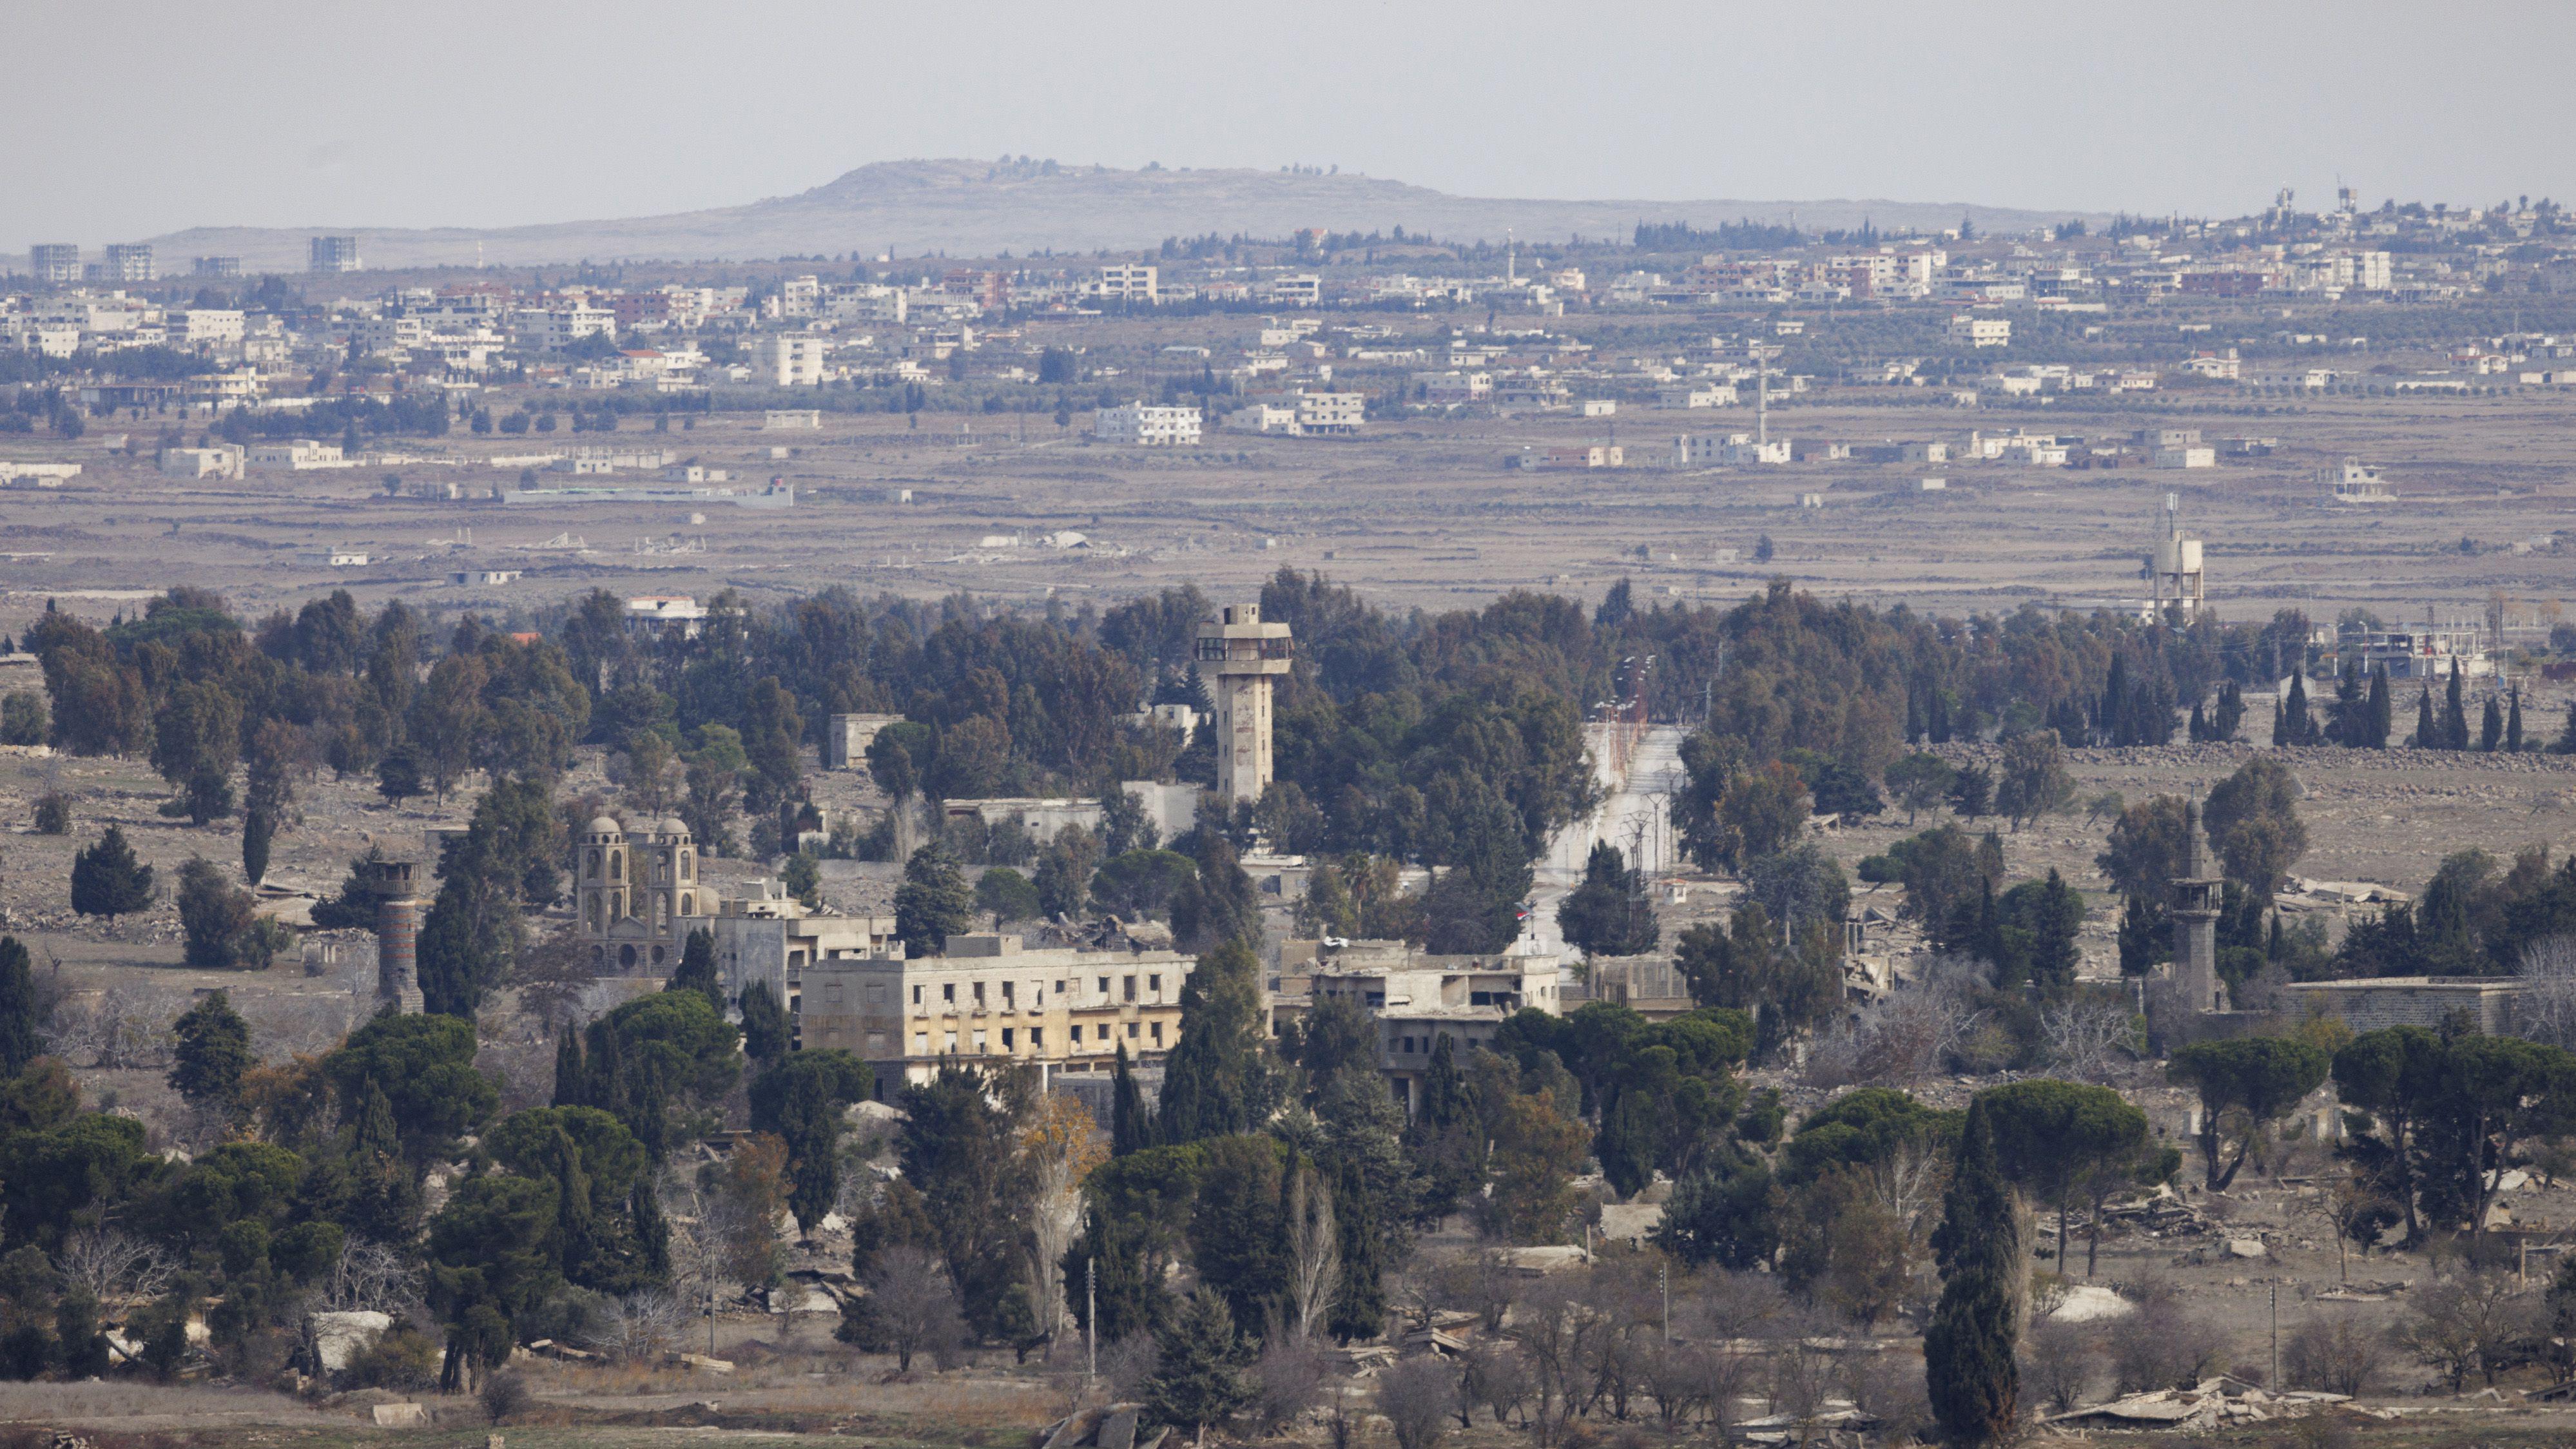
[1237, 654]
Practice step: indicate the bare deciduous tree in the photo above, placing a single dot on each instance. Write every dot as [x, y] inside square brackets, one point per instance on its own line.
[643, 1327]
[1062, 1145]
[2089, 1041]
[2337, 1356]
[114, 1266]
[1284, 1382]
[1416, 1395]
[1314, 1254]
[372, 1277]
[2058, 1362]
[2164, 1347]
[2546, 1010]
[912, 1307]
[1905, 1036]
[2467, 1323]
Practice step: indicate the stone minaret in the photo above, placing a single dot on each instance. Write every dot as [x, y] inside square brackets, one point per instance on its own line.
[397, 936]
[2195, 923]
[1237, 655]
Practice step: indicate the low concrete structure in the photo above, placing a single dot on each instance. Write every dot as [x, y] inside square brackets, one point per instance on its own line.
[2371, 1002]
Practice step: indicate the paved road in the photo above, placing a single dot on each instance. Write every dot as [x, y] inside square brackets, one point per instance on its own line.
[1635, 817]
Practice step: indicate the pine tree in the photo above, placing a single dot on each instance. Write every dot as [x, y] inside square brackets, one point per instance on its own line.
[213, 1051]
[1200, 1380]
[1973, 1380]
[698, 969]
[572, 1082]
[18, 1025]
[108, 881]
[933, 903]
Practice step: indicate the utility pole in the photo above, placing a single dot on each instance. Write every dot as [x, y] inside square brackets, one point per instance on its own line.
[1664, 1274]
[1090, 1321]
[2276, 1338]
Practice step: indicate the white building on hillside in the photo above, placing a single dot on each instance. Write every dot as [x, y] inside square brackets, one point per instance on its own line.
[1140, 425]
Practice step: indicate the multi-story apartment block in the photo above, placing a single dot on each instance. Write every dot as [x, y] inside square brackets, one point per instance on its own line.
[218, 266]
[130, 262]
[332, 254]
[202, 326]
[1126, 282]
[989, 1001]
[787, 359]
[1417, 1000]
[54, 263]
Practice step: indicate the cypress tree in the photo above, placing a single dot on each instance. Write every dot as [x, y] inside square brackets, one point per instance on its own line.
[2427, 735]
[2513, 724]
[764, 1024]
[698, 970]
[1973, 1381]
[2566, 743]
[18, 1043]
[259, 828]
[652, 1233]
[1217, 1081]
[2380, 719]
[572, 1083]
[2199, 724]
[2142, 937]
[1359, 1298]
[1130, 1128]
[2455, 714]
[2053, 956]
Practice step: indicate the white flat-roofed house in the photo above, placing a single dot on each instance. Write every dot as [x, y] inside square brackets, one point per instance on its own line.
[1145, 426]
[221, 460]
[675, 616]
[298, 456]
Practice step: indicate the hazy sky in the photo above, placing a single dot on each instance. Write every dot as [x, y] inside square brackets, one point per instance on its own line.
[128, 120]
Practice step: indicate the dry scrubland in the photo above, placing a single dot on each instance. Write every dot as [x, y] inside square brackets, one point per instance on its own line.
[1419, 511]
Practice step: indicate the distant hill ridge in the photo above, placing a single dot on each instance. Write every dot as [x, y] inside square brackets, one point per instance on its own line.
[982, 208]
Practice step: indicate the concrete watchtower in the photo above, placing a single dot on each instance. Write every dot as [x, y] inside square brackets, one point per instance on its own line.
[1237, 655]
[2195, 922]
